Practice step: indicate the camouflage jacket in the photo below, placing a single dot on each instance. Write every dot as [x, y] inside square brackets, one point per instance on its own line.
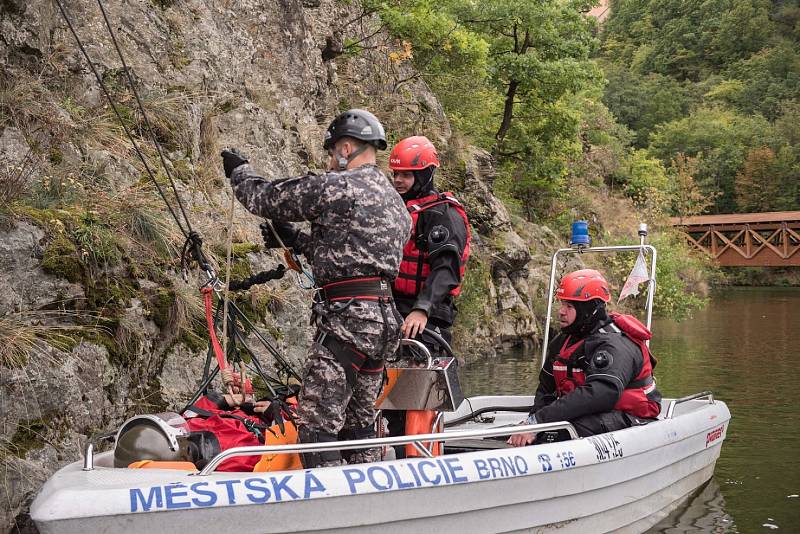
[359, 225]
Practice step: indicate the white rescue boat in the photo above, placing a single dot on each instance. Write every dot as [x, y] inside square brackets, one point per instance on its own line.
[623, 481]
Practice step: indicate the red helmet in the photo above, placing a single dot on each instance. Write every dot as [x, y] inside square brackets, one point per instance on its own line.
[584, 285]
[413, 154]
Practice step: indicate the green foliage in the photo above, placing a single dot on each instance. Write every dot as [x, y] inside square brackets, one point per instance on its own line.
[686, 196]
[55, 191]
[767, 181]
[644, 179]
[439, 40]
[710, 80]
[768, 79]
[61, 259]
[524, 63]
[473, 311]
[96, 242]
[28, 436]
[240, 265]
[719, 139]
[161, 306]
[641, 102]
[680, 277]
[685, 39]
[761, 276]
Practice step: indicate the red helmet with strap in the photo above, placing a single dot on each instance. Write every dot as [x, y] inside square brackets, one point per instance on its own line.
[583, 286]
[413, 154]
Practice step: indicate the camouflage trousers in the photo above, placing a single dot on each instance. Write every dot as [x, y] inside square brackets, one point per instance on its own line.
[328, 404]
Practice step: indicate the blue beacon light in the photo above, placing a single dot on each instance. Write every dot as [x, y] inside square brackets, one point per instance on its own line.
[580, 235]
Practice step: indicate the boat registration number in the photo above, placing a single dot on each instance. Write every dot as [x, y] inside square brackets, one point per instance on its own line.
[606, 447]
[566, 459]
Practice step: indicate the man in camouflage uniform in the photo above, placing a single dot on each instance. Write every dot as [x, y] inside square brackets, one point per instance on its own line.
[359, 225]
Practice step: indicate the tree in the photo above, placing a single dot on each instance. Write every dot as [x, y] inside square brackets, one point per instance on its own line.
[518, 98]
[539, 53]
[744, 28]
[641, 102]
[769, 78]
[687, 197]
[756, 187]
[644, 180]
[719, 140]
[686, 39]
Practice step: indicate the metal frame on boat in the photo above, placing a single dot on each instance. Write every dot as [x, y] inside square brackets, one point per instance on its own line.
[580, 249]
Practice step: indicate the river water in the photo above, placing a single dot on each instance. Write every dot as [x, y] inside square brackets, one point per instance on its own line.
[744, 347]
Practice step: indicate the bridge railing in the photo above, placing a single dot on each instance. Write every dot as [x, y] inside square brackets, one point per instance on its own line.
[746, 239]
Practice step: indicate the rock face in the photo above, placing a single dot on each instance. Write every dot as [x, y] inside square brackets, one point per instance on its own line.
[516, 256]
[265, 76]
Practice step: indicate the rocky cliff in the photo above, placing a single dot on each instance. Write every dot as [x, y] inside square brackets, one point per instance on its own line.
[95, 321]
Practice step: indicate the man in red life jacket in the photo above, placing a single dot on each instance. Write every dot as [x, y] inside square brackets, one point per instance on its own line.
[596, 376]
[435, 256]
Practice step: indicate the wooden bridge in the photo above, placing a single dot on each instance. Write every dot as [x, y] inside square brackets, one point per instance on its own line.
[746, 239]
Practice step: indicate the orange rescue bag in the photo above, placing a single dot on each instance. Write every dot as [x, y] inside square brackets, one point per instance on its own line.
[279, 462]
[159, 464]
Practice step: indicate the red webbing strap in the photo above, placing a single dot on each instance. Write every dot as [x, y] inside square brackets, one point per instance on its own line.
[209, 302]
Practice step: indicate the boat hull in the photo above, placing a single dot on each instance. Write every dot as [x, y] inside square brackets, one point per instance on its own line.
[619, 482]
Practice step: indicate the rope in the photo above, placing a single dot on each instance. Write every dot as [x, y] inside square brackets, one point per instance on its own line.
[228, 279]
[144, 115]
[208, 301]
[260, 278]
[281, 363]
[193, 242]
[184, 231]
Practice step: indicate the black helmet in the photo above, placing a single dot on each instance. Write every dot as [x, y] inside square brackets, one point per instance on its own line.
[358, 124]
[149, 437]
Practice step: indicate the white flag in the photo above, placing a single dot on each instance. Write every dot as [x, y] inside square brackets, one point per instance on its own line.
[638, 276]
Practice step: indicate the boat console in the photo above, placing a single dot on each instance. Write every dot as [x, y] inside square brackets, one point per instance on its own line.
[429, 385]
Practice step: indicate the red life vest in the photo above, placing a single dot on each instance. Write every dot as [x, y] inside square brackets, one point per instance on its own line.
[634, 400]
[414, 269]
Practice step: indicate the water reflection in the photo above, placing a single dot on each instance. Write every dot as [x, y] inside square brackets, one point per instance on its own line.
[704, 512]
[743, 347]
[511, 373]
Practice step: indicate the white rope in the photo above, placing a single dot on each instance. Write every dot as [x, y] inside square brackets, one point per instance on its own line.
[229, 249]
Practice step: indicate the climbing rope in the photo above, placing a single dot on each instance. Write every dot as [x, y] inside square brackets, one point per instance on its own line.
[209, 304]
[185, 231]
[227, 378]
[192, 246]
[145, 117]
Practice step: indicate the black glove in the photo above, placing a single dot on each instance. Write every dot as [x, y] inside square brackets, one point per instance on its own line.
[286, 231]
[230, 160]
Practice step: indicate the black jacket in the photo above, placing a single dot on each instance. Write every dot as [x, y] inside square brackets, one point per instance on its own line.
[603, 386]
